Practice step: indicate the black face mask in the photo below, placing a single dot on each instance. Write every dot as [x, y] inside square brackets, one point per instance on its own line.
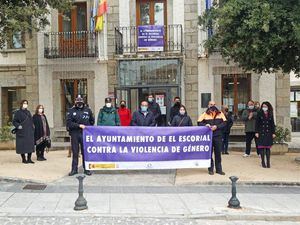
[79, 105]
[213, 108]
[177, 103]
[122, 106]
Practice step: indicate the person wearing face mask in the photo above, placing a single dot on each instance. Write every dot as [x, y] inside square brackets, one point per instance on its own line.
[23, 123]
[182, 119]
[155, 109]
[175, 108]
[265, 132]
[41, 132]
[249, 117]
[124, 114]
[143, 117]
[216, 121]
[108, 115]
[257, 106]
[78, 117]
[226, 131]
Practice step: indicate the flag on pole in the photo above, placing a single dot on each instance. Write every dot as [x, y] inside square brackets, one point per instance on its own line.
[102, 9]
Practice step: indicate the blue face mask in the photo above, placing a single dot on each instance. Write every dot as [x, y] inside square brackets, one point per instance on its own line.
[144, 108]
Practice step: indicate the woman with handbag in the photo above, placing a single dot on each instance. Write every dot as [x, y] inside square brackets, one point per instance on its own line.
[182, 119]
[24, 129]
[41, 132]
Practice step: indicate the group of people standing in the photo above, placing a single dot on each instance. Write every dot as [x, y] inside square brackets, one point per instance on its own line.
[31, 131]
[260, 126]
[34, 130]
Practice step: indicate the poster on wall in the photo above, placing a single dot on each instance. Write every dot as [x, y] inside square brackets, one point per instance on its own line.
[151, 38]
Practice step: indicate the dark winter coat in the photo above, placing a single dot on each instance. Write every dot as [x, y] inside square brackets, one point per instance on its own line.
[181, 121]
[140, 119]
[265, 127]
[155, 109]
[229, 123]
[174, 111]
[108, 116]
[77, 116]
[39, 132]
[25, 135]
[218, 119]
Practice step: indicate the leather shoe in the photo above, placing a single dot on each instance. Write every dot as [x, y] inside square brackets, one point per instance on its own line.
[72, 173]
[211, 172]
[87, 172]
[220, 172]
[30, 161]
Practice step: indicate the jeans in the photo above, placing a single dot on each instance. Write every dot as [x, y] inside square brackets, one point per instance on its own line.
[225, 142]
[249, 138]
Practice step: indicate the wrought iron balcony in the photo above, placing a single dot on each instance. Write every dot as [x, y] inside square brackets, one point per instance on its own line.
[77, 44]
[126, 39]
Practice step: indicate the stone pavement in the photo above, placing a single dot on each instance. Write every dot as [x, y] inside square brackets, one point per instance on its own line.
[284, 170]
[160, 202]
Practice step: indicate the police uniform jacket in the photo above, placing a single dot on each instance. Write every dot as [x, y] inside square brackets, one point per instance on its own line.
[77, 116]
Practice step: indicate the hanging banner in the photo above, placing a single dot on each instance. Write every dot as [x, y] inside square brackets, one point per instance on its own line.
[151, 38]
[122, 148]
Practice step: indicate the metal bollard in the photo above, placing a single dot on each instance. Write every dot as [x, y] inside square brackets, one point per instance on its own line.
[81, 202]
[233, 203]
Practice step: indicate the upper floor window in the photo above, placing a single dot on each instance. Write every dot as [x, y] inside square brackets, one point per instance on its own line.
[151, 12]
[17, 41]
[75, 19]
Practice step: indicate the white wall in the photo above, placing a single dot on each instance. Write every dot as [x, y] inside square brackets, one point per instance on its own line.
[12, 57]
[267, 89]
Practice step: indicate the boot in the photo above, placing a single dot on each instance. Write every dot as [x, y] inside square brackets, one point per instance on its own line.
[42, 155]
[23, 159]
[268, 154]
[29, 158]
[38, 155]
[262, 155]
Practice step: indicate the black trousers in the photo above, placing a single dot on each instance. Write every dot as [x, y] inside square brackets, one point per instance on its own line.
[76, 141]
[40, 149]
[249, 138]
[217, 147]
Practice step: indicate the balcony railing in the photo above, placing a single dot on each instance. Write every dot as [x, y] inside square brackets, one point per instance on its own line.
[77, 44]
[126, 39]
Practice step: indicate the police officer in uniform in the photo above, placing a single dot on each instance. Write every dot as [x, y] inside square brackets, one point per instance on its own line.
[78, 117]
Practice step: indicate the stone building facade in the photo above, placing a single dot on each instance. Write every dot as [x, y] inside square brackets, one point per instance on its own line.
[55, 67]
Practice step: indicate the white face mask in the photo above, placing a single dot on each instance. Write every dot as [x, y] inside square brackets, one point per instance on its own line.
[251, 106]
[182, 112]
[25, 106]
[108, 105]
[41, 110]
[265, 109]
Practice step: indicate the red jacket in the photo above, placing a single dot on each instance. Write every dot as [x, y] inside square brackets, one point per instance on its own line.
[125, 116]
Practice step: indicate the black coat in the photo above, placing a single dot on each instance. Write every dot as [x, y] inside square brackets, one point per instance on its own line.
[155, 109]
[265, 127]
[139, 119]
[181, 121]
[229, 123]
[174, 111]
[24, 136]
[39, 133]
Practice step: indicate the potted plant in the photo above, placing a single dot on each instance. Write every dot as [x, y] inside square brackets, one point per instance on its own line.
[280, 147]
[7, 138]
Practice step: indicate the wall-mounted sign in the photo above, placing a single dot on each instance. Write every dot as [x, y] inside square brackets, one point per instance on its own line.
[151, 38]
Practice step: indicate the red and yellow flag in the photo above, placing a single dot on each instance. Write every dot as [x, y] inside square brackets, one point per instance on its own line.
[102, 9]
